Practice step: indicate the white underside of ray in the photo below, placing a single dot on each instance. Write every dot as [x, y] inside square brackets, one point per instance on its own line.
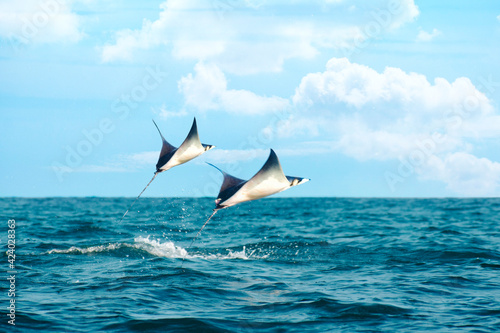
[266, 182]
[183, 156]
[189, 149]
[253, 191]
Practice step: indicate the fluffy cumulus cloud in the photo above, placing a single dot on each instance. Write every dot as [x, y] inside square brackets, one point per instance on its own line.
[394, 115]
[403, 11]
[207, 90]
[32, 21]
[242, 38]
[359, 86]
[465, 174]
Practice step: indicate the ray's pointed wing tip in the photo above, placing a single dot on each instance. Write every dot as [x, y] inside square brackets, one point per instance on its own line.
[216, 167]
[273, 155]
[154, 122]
[193, 132]
[272, 161]
[212, 165]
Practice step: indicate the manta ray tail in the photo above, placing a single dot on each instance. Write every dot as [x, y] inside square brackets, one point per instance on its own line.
[199, 232]
[139, 195]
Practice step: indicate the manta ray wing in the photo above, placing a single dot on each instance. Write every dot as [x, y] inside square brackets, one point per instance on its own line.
[269, 180]
[192, 140]
[229, 181]
[191, 147]
[230, 185]
[166, 153]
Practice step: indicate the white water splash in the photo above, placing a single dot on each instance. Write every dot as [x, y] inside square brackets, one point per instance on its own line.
[156, 247]
[231, 255]
[169, 250]
[91, 249]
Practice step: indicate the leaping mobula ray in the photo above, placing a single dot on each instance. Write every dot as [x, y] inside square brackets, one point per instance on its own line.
[171, 156]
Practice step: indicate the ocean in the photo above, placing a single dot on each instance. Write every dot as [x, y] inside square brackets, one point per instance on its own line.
[273, 265]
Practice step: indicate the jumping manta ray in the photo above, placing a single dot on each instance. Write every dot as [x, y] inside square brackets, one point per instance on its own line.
[269, 180]
[171, 156]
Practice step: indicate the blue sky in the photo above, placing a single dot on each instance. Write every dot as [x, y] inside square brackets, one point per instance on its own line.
[368, 99]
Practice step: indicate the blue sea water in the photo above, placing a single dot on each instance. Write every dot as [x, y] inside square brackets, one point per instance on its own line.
[274, 265]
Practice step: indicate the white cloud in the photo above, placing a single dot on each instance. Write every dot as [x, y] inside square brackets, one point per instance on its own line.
[32, 21]
[138, 160]
[293, 126]
[403, 12]
[498, 17]
[240, 38]
[424, 36]
[129, 40]
[199, 31]
[359, 141]
[163, 113]
[207, 90]
[358, 86]
[465, 174]
[394, 115]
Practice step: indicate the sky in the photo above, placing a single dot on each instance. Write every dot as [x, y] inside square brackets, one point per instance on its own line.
[377, 98]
